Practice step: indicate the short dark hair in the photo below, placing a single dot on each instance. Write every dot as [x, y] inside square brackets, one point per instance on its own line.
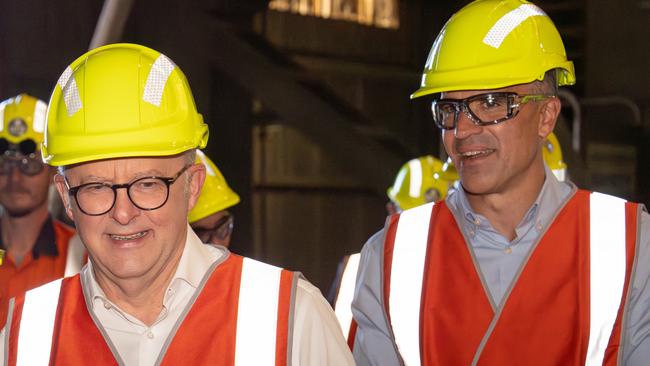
[548, 85]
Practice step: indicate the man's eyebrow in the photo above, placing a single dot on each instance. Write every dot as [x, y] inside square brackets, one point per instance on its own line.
[145, 173]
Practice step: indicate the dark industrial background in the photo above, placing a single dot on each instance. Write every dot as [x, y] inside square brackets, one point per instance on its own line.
[308, 107]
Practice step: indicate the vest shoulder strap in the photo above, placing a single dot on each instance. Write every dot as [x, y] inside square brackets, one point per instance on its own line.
[407, 270]
[257, 314]
[37, 324]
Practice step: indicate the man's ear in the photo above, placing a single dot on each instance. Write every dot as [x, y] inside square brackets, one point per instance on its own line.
[197, 177]
[548, 115]
[59, 182]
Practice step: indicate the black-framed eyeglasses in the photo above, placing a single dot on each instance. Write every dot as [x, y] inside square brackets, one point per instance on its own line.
[482, 109]
[29, 165]
[219, 232]
[146, 193]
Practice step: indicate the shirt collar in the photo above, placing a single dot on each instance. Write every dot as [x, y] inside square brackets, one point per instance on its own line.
[45, 242]
[195, 261]
[542, 210]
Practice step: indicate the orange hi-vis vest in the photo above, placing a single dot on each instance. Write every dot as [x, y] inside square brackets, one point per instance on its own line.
[240, 315]
[36, 272]
[565, 306]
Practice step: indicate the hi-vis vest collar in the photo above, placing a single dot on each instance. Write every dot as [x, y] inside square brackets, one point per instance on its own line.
[241, 315]
[596, 232]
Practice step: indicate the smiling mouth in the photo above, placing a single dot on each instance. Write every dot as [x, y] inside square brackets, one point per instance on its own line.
[129, 237]
[475, 153]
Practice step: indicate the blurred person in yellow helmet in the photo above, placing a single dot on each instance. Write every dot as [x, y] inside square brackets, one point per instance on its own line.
[553, 157]
[210, 218]
[35, 243]
[419, 181]
[123, 129]
[515, 267]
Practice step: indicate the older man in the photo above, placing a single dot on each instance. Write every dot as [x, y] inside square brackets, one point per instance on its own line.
[123, 128]
[515, 268]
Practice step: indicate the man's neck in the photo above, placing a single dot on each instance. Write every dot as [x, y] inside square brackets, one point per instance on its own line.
[506, 209]
[19, 234]
[141, 297]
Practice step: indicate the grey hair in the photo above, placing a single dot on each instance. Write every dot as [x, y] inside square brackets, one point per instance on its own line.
[548, 85]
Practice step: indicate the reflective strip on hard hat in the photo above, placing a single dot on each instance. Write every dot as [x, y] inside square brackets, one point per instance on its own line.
[607, 263]
[70, 91]
[158, 75]
[415, 177]
[407, 269]
[507, 23]
[257, 314]
[204, 161]
[37, 325]
[38, 122]
[342, 308]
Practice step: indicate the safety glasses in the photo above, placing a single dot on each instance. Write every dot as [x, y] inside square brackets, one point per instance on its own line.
[482, 109]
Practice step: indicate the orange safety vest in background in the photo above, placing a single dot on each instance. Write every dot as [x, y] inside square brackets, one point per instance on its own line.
[49, 265]
[228, 321]
[548, 318]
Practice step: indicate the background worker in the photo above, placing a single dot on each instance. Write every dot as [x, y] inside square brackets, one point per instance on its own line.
[515, 267]
[36, 245]
[419, 181]
[123, 128]
[210, 218]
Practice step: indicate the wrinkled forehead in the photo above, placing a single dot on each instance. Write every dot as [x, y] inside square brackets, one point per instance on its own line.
[123, 169]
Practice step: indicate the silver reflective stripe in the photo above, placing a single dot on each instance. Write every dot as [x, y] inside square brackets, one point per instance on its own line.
[70, 92]
[407, 269]
[39, 116]
[2, 115]
[607, 261]
[37, 325]
[415, 177]
[342, 308]
[257, 314]
[507, 23]
[156, 80]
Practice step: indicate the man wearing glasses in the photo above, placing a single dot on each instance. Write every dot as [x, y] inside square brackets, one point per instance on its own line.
[123, 129]
[210, 218]
[516, 267]
[35, 245]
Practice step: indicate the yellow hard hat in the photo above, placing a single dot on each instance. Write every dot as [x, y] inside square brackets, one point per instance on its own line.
[491, 44]
[420, 181]
[552, 153]
[23, 123]
[121, 100]
[216, 195]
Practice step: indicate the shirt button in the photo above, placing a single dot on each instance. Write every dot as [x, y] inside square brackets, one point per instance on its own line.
[150, 334]
[477, 221]
[170, 291]
[539, 226]
[107, 305]
[508, 250]
[472, 232]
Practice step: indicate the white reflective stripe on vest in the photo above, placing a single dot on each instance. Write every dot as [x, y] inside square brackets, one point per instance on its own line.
[75, 258]
[37, 325]
[257, 314]
[342, 308]
[607, 277]
[407, 269]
